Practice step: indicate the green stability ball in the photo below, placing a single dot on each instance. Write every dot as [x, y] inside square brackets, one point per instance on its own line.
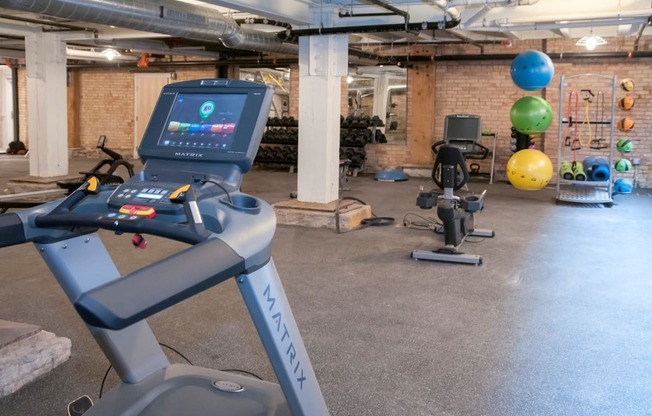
[531, 115]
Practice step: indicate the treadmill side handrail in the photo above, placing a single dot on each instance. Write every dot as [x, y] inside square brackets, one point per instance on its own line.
[149, 290]
[11, 230]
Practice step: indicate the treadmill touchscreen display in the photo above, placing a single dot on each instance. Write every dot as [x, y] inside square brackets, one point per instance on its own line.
[203, 121]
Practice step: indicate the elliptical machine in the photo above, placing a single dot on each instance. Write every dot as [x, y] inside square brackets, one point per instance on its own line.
[104, 171]
[456, 213]
[202, 137]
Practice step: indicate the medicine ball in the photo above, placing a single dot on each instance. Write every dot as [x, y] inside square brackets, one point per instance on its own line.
[627, 84]
[624, 146]
[623, 165]
[625, 124]
[623, 186]
[626, 103]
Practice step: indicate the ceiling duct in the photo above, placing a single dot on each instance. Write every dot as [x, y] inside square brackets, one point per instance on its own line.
[451, 12]
[163, 16]
[492, 2]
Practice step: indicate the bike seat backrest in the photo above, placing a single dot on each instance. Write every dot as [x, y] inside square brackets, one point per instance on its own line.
[450, 156]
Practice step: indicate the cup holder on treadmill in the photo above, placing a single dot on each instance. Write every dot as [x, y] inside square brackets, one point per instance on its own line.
[242, 203]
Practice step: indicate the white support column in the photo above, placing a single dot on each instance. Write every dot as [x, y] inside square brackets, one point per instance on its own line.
[6, 107]
[47, 113]
[381, 95]
[323, 60]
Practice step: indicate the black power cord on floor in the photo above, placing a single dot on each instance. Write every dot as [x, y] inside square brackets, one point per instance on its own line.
[235, 370]
[422, 222]
[367, 222]
[110, 366]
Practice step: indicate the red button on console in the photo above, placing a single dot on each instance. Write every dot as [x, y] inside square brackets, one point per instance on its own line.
[140, 210]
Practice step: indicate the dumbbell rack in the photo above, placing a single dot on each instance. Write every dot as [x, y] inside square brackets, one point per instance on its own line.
[585, 192]
[354, 136]
[280, 142]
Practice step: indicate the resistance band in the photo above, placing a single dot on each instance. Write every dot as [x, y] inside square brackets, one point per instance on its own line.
[598, 142]
[588, 99]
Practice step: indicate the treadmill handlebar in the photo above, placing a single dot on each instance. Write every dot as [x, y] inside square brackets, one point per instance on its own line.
[63, 215]
[180, 232]
[140, 294]
[11, 230]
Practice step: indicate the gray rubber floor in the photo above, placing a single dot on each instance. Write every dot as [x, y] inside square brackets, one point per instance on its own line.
[557, 320]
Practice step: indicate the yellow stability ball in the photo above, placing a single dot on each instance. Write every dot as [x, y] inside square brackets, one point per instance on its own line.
[529, 170]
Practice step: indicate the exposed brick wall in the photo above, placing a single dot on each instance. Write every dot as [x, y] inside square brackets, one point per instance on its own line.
[381, 156]
[106, 104]
[294, 91]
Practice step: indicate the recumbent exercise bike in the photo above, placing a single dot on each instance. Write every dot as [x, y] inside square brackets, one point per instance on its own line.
[450, 174]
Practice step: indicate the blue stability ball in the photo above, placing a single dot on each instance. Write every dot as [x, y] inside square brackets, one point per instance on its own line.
[532, 70]
[391, 175]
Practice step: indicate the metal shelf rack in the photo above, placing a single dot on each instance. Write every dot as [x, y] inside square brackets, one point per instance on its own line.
[586, 192]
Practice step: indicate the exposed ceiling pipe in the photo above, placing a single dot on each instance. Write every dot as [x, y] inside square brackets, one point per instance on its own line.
[12, 53]
[391, 8]
[451, 12]
[398, 27]
[510, 57]
[638, 37]
[96, 56]
[492, 2]
[149, 46]
[472, 19]
[504, 25]
[45, 23]
[263, 21]
[162, 16]
[349, 13]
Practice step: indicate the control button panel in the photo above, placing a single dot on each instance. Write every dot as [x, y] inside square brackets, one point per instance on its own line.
[145, 195]
[141, 196]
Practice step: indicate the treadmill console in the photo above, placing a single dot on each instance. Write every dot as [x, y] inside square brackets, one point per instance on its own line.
[208, 121]
[202, 133]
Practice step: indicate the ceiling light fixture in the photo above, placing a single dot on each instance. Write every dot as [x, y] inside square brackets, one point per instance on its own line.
[591, 41]
[110, 54]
